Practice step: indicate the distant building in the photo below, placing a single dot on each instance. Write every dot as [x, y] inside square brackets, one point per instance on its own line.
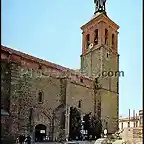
[131, 127]
[141, 118]
[134, 121]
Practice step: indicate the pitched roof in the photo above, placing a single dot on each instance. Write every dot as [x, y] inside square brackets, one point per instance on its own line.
[19, 54]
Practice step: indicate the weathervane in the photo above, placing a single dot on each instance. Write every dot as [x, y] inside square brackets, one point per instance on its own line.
[99, 5]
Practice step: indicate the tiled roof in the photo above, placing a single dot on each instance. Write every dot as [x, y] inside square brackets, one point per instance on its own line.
[42, 62]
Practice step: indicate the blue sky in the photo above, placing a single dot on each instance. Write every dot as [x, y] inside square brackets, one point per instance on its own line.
[50, 29]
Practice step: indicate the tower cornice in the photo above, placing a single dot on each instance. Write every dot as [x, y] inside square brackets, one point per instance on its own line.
[100, 18]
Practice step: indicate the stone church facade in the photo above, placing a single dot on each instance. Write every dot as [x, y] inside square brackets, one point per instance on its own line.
[37, 92]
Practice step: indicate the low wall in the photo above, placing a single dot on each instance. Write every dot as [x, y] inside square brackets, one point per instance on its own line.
[134, 135]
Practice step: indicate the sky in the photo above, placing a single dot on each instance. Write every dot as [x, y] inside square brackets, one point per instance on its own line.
[50, 29]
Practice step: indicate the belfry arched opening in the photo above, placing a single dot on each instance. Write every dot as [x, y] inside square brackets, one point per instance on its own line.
[40, 132]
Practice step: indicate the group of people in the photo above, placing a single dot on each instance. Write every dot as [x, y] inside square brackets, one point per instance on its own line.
[24, 140]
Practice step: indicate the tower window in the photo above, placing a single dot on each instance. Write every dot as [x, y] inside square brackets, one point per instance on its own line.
[106, 36]
[96, 80]
[96, 37]
[113, 38]
[140, 121]
[122, 126]
[81, 80]
[136, 123]
[79, 104]
[62, 120]
[128, 124]
[88, 40]
[40, 67]
[107, 55]
[40, 97]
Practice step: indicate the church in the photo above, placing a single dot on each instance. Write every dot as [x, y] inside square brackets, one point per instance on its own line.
[38, 94]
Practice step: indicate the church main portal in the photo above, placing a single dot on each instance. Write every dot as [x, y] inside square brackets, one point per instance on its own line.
[40, 132]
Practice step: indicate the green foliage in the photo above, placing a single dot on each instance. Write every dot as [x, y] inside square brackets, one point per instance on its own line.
[96, 127]
[93, 126]
[87, 122]
[61, 136]
[75, 123]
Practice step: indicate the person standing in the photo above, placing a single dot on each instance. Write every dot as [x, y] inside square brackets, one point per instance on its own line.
[28, 139]
[21, 139]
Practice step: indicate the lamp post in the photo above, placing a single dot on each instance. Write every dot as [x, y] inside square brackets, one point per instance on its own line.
[82, 126]
[105, 133]
[105, 123]
[30, 121]
[67, 122]
[53, 116]
[30, 126]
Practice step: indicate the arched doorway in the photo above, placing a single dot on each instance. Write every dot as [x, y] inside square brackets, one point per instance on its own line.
[40, 132]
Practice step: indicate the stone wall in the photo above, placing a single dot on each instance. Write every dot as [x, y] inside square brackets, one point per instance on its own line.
[133, 135]
[80, 92]
[97, 62]
[58, 89]
[109, 111]
[108, 94]
[30, 84]
[5, 85]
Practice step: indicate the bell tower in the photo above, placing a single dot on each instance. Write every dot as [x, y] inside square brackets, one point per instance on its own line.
[100, 60]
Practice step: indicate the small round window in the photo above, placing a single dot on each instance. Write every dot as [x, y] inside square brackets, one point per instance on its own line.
[40, 97]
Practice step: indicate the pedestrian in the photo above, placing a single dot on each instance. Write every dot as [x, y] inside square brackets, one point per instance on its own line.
[28, 139]
[17, 140]
[21, 139]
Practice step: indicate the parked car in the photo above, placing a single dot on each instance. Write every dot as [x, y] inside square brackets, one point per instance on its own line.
[71, 142]
[119, 142]
[101, 141]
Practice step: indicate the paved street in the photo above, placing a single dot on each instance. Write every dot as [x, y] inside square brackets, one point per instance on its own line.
[47, 143]
[80, 142]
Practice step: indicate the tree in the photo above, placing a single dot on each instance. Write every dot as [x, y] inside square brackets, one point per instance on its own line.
[95, 127]
[75, 124]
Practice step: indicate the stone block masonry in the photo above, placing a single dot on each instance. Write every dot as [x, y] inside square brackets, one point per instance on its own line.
[37, 92]
[58, 89]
